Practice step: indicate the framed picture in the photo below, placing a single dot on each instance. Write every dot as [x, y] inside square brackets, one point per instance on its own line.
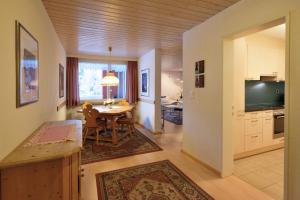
[145, 82]
[199, 67]
[199, 74]
[27, 66]
[199, 81]
[61, 81]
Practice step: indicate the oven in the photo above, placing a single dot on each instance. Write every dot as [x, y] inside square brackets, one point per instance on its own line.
[278, 124]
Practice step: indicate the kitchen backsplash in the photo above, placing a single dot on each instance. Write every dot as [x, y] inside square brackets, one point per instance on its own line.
[260, 93]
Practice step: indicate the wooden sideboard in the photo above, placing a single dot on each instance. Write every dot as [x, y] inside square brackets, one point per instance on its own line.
[37, 172]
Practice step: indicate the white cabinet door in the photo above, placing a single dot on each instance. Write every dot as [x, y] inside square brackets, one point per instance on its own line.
[278, 141]
[253, 68]
[265, 58]
[253, 141]
[253, 126]
[253, 115]
[281, 67]
[268, 131]
[239, 134]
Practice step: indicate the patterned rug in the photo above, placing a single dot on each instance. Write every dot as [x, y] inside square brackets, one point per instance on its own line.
[173, 118]
[154, 181]
[172, 115]
[133, 145]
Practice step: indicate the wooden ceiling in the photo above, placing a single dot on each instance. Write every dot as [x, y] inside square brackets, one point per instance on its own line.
[131, 27]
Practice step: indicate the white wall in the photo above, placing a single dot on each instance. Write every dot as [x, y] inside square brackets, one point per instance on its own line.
[205, 113]
[148, 108]
[171, 61]
[171, 85]
[17, 124]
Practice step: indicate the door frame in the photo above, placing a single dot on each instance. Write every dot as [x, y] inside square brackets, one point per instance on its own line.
[228, 109]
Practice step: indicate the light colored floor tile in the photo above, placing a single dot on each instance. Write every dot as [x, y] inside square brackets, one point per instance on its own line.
[261, 178]
[264, 171]
[275, 191]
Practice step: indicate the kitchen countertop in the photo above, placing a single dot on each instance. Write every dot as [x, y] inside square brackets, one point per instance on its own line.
[262, 108]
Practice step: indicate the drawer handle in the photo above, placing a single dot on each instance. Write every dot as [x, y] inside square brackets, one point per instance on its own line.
[82, 175]
[254, 121]
[254, 136]
[267, 119]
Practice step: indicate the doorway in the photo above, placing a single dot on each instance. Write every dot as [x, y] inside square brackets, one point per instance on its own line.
[255, 62]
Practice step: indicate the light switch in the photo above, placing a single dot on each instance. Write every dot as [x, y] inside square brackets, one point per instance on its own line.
[192, 94]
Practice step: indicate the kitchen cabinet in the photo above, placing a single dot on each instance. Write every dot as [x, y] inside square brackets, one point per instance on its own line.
[278, 141]
[239, 133]
[253, 131]
[265, 56]
[253, 115]
[253, 126]
[267, 131]
[253, 141]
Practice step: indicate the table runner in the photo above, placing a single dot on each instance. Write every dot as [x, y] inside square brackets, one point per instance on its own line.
[52, 134]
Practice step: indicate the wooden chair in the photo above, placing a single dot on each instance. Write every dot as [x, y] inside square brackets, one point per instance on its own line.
[127, 120]
[93, 122]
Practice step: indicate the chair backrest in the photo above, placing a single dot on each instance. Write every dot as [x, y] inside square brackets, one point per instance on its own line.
[91, 116]
[86, 105]
[131, 114]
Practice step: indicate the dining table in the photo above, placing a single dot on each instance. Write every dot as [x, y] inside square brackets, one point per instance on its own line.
[111, 113]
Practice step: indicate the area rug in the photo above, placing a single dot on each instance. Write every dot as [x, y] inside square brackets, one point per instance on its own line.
[176, 119]
[172, 115]
[133, 145]
[154, 181]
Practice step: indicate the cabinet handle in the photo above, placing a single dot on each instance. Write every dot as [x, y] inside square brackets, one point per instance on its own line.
[82, 170]
[82, 175]
[254, 136]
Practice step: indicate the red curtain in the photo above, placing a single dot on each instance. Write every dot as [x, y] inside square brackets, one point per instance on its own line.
[72, 82]
[132, 82]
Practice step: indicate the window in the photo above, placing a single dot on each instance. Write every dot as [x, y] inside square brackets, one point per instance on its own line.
[90, 78]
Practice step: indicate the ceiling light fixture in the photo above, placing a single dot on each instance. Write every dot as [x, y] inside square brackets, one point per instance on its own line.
[109, 79]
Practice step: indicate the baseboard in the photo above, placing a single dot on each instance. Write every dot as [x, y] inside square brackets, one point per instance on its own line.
[258, 151]
[154, 133]
[61, 105]
[217, 172]
[150, 101]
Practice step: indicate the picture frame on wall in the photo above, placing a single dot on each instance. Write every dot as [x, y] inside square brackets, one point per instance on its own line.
[200, 74]
[61, 81]
[199, 81]
[145, 82]
[27, 67]
[199, 67]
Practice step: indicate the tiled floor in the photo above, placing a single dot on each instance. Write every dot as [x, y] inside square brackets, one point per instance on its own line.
[263, 171]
